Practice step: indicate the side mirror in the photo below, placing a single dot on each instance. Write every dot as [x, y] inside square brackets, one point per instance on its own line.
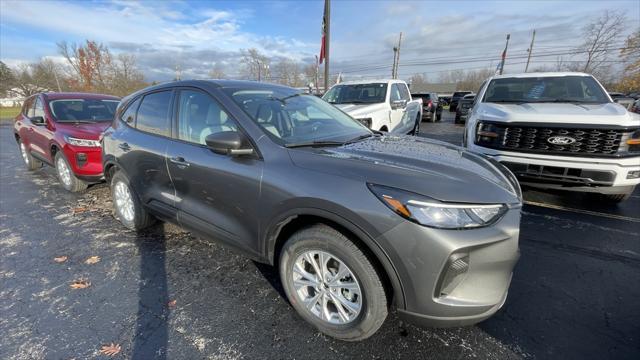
[38, 120]
[398, 104]
[228, 143]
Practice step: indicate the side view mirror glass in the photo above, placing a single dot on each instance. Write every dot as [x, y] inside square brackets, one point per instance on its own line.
[228, 143]
[398, 104]
[38, 120]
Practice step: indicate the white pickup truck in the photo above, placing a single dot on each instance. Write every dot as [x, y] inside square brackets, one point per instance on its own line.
[557, 130]
[384, 105]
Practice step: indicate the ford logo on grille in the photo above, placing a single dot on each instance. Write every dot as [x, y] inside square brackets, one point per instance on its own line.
[561, 140]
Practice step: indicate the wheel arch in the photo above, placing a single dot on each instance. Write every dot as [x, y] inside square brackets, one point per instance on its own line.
[280, 231]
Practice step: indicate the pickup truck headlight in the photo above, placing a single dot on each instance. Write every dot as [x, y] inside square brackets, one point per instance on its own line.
[82, 142]
[365, 121]
[432, 213]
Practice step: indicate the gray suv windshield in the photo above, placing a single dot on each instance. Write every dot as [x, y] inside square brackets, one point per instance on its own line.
[293, 119]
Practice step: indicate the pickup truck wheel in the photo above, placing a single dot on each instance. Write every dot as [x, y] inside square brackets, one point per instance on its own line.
[68, 180]
[332, 284]
[127, 204]
[416, 127]
[31, 162]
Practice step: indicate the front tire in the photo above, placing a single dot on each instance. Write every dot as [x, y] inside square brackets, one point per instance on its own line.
[31, 162]
[127, 204]
[68, 180]
[332, 284]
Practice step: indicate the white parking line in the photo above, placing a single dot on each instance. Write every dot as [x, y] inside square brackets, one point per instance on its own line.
[581, 211]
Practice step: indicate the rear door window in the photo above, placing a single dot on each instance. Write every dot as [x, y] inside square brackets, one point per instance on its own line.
[153, 114]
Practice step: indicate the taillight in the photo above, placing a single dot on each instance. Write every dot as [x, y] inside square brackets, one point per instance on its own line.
[429, 103]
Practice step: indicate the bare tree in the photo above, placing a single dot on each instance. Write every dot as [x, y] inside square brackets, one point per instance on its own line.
[600, 35]
[7, 79]
[417, 81]
[40, 76]
[217, 72]
[256, 66]
[630, 54]
[287, 72]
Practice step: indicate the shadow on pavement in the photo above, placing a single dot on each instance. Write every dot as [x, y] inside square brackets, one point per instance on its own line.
[151, 326]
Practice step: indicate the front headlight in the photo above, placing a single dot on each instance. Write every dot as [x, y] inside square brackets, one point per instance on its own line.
[82, 142]
[432, 213]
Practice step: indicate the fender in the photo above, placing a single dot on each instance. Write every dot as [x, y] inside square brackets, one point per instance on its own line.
[273, 230]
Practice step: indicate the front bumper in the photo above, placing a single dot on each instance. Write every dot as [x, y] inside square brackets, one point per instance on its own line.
[423, 258]
[86, 162]
[570, 173]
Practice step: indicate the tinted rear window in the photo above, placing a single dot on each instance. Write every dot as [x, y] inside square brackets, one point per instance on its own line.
[153, 115]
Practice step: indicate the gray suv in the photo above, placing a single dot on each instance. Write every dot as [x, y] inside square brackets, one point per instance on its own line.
[356, 221]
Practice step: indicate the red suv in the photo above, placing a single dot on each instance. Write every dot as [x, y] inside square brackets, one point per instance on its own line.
[64, 130]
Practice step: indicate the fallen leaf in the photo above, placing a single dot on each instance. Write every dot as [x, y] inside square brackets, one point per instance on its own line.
[92, 260]
[172, 304]
[80, 284]
[61, 259]
[80, 210]
[110, 350]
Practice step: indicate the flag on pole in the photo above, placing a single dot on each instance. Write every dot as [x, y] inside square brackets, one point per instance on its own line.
[324, 33]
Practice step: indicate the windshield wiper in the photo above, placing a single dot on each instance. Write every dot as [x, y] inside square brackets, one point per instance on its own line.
[284, 99]
[314, 143]
[361, 137]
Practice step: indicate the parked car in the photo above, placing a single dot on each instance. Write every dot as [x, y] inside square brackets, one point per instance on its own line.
[558, 131]
[636, 107]
[444, 100]
[384, 105]
[462, 110]
[431, 106]
[63, 130]
[355, 220]
[453, 104]
[622, 99]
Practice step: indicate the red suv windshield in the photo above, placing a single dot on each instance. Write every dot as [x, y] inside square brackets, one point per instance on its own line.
[85, 110]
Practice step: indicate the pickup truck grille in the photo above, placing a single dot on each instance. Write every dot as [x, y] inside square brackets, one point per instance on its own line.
[550, 139]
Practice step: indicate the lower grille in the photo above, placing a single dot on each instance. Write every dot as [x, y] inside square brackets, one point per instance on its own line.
[550, 139]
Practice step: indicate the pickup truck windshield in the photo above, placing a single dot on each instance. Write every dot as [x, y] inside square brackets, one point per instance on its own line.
[83, 110]
[558, 89]
[357, 94]
[293, 119]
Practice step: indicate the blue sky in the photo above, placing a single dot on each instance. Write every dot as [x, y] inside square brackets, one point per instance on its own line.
[199, 34]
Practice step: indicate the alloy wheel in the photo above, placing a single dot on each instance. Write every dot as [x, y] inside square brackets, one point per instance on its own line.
[124, 201]
[327, 287]
[25, 155]
[63, 171]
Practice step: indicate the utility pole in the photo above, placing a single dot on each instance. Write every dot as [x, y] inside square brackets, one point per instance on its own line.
[317, 70]
[530, 50]
[398, 56]
[393, 67]
[504, 54]
[327, 32]
[259, 69]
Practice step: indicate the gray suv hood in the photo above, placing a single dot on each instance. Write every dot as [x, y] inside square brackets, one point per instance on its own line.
[432, 168]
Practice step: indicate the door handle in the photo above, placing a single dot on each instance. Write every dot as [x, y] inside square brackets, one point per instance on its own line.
[180, 161]
[124, 147]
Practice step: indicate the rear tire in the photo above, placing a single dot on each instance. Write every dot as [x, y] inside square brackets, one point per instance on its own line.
[127, 204]
[416, 127]
[319, 301]
[439, 116]
[66, 176]
[31, 162]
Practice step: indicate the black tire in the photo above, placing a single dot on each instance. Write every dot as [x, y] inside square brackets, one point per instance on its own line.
[31, 162]
[456, 120]
[374, 299]
[416, 127]
[616, 198]
[74, 184]
[439, 116]
[141, 217]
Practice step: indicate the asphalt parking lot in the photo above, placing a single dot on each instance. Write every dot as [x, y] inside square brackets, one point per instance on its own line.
[166, 294]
